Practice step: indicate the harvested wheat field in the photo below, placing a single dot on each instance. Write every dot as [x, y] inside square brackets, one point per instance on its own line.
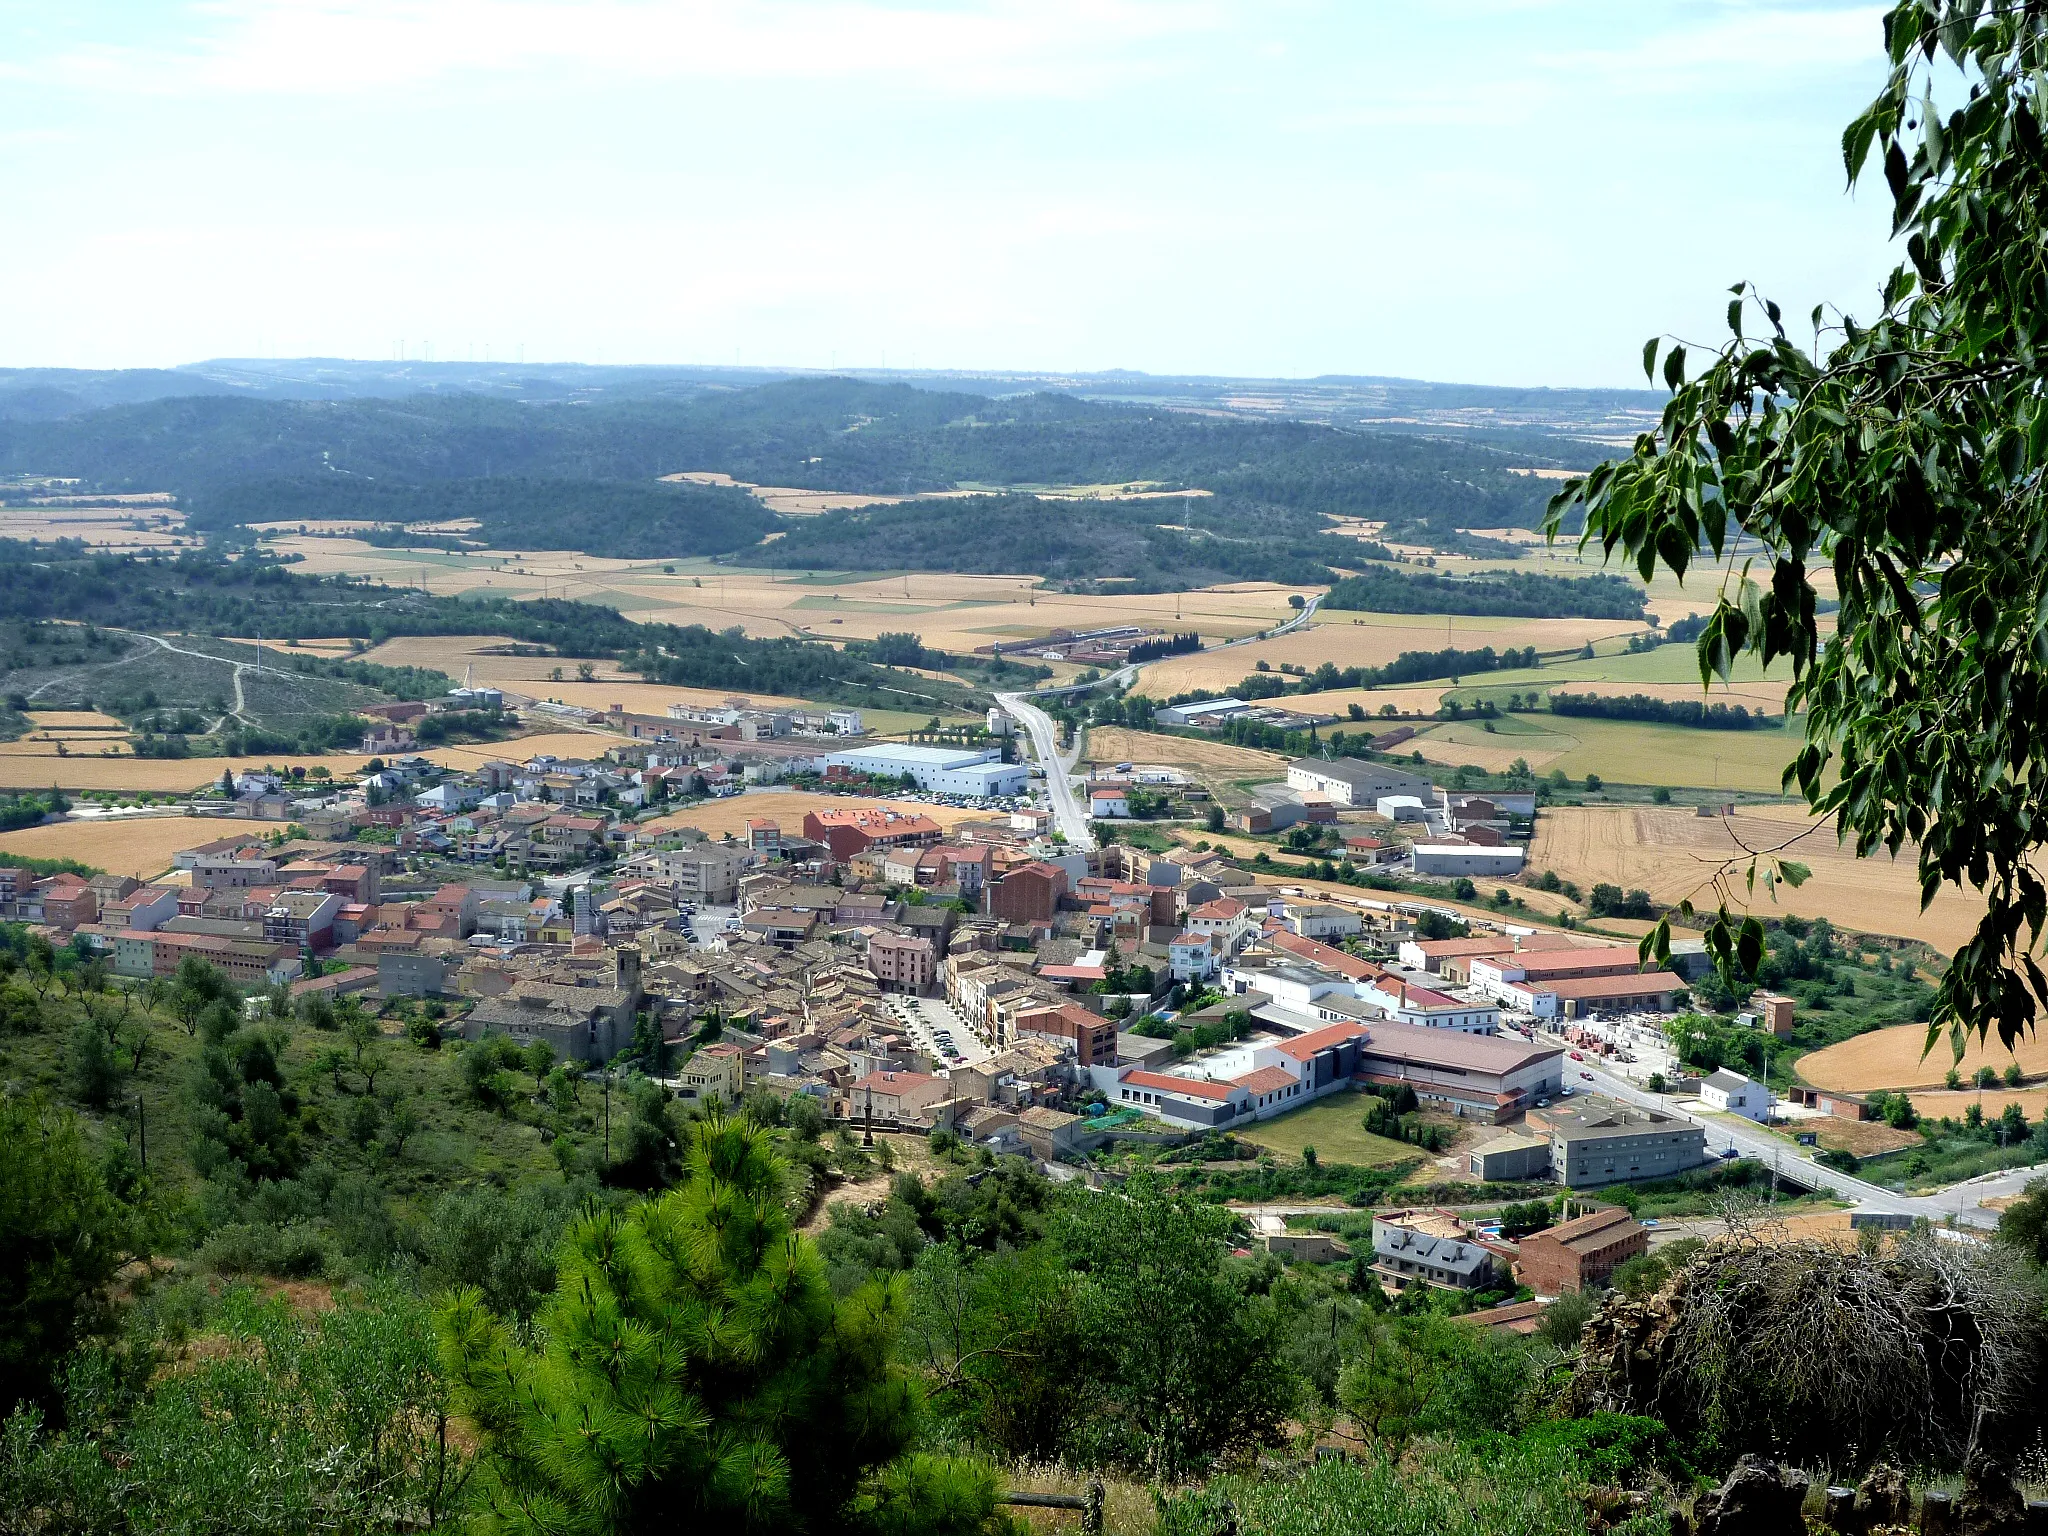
[460, 654]
[952, 612]
[81, 771]
[101, 522]
[786, 808]
[64, 722]
[1891, 1058]
[1671, 854]
[141, 846]
[2033, 1102]
[1115, 744]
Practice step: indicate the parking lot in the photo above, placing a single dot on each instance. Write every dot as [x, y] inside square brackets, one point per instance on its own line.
[937, 1028]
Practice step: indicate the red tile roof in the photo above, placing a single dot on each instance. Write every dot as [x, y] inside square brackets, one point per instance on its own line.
[1266, 1080]
[1193, 1087]
[1302, 1047]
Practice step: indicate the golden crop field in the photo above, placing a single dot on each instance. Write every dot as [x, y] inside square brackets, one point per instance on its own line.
[80, 771]
[457, 654]
[1672, 853]
[1891, 1058]
[141, 846]
[1115, 744]
[786, 808]
[951, 612]
[103, 523]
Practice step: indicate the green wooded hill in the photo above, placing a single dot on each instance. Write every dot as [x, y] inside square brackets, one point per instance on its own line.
[624, 519]
[825, 434]
[197, 593]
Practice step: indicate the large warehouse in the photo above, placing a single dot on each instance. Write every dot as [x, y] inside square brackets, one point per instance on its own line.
[943, 770]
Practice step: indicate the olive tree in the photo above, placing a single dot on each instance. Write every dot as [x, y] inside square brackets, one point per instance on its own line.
[1898, 460]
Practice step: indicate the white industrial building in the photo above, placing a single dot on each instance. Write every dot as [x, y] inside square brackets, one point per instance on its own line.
[1202, 712]
[1472, 860]
[943, 770]
[1354, 782]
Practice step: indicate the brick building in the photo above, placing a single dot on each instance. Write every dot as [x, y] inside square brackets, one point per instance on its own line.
[903, 962]
[1581, 1252]
[1094, 1037]
[1029, 893]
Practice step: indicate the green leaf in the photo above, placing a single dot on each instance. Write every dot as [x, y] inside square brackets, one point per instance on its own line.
[1650, 358]
[1794, 873]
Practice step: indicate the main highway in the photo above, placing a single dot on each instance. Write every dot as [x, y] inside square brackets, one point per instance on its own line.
[1069, 812]
[1959, 1201]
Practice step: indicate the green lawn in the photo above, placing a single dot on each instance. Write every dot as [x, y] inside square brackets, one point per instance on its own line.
[1335, 1127]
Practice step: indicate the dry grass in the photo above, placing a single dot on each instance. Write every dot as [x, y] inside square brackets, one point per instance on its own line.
[1671, 854]
[1115, 744]
[1891, 1058]
[140, 845]
[1865, 1138]
[786, 807]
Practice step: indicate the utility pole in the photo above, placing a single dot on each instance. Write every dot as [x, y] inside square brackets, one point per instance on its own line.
[868, 1139]
[607, 1116]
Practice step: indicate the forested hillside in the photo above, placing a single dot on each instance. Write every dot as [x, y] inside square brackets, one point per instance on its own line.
[825, 434]
[1512, 594]
[204, 594]
[630, 520]
[1072, 542]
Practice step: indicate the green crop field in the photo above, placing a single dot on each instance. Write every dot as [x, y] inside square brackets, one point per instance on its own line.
[1619, 751]
[1335, 1127]
[1665, 664]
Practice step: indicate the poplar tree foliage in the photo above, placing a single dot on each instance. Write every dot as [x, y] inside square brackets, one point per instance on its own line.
[693, 1366]
[1906, 455]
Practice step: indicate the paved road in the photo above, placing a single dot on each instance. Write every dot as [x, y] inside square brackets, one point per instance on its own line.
[1959, 1200]
[1123, 677]
[1068, 811]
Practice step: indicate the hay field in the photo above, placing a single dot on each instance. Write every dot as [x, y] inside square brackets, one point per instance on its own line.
[455, 654]
[952, 612]
[141, 846]
[1890, 1058]
[1671, 854]
[63, 722]
[1115, 744]
[1369, 640]
[2033, 1102]
[786, 807]
[102, 523]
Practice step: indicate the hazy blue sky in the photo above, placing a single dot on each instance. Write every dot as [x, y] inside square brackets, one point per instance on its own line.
[1502, 191]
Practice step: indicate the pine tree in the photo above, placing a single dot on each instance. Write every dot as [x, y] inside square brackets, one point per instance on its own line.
[696, 1368]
